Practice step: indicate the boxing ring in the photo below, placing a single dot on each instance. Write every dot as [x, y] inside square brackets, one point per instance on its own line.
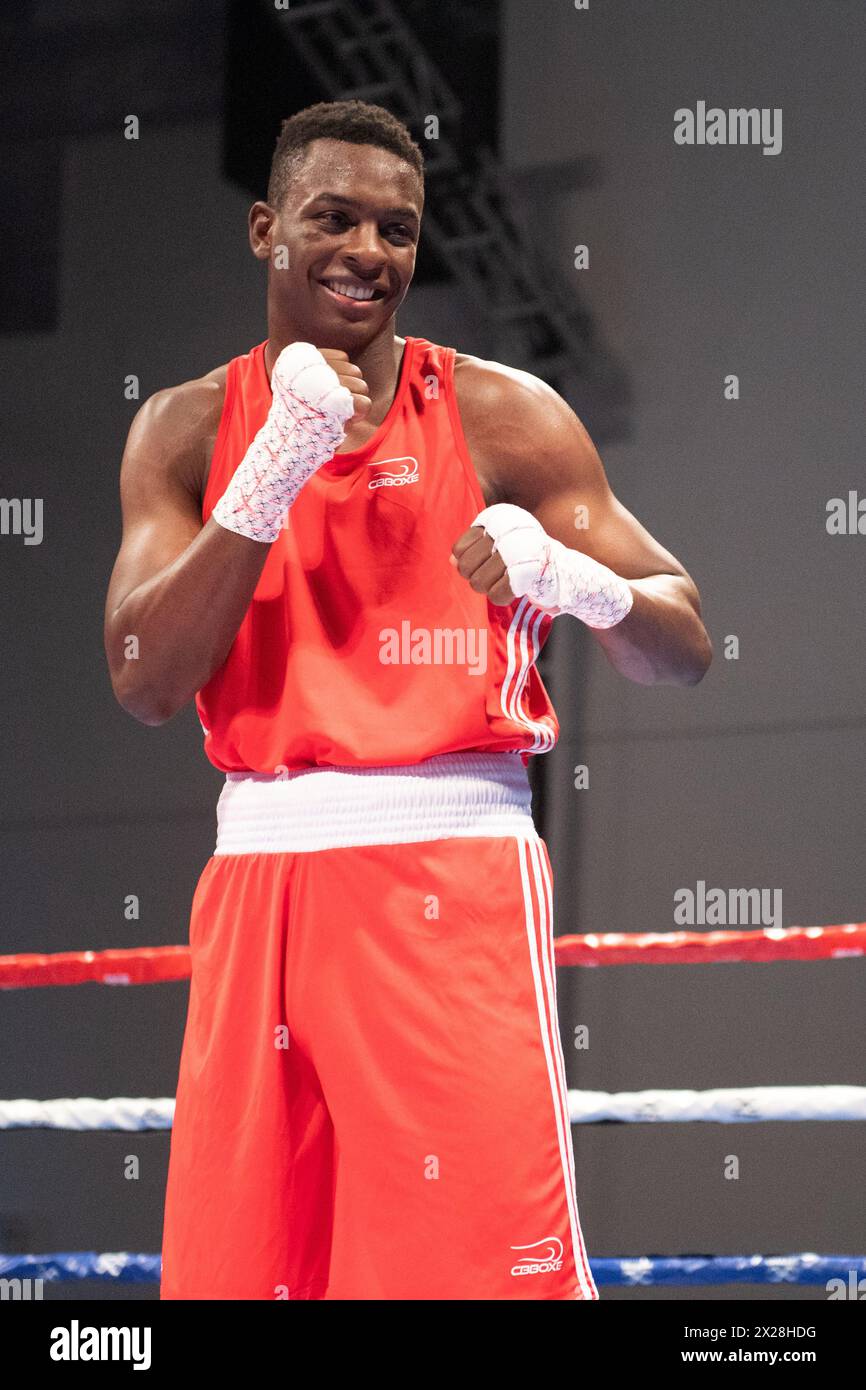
[734, 1105]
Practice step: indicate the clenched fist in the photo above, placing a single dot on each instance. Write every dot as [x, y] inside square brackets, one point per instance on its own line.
[350, 377]
[482, 566]
[312, 403]
[507, 554]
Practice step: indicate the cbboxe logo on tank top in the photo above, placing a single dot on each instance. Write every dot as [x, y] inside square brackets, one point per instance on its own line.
[407, 472]
[543, 1257]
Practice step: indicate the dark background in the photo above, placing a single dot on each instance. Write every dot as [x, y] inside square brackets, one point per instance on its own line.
[127, 257]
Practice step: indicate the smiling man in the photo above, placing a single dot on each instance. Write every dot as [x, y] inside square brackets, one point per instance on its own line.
[320, 537]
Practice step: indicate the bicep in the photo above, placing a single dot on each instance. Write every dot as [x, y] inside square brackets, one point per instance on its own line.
[603, 528]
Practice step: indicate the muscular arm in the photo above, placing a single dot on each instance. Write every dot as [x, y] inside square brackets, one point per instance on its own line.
[180, 588]
[526, 437]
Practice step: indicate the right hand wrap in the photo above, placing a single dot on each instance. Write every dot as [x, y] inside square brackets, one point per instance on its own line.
[304, 428]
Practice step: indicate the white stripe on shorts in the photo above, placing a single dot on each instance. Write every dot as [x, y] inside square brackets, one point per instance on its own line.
[540, 938]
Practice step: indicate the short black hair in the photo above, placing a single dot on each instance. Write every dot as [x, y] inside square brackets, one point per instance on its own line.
[356, 122]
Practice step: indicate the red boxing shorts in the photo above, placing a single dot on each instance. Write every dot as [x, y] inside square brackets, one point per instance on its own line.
[372, 1098]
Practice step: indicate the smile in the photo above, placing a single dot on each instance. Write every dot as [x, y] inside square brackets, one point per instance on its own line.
[352, 291]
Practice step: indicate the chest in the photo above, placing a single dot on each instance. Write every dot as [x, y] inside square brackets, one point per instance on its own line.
[484, 469]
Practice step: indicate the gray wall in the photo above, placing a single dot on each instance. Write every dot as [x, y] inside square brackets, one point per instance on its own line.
[707, 261]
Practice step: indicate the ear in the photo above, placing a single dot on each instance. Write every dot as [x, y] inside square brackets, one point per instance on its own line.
[261, 220]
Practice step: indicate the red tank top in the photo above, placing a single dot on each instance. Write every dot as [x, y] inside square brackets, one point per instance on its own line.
[362, 645]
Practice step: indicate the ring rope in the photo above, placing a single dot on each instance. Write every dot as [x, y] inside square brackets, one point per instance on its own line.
[768, 945]
[144, 965]
[729, 1269]
[85, 1113]
[726, 1105]
[139, 965]
[625, 1272]
[730, 1105]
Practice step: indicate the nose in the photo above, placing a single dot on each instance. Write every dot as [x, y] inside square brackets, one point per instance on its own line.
[363, 248]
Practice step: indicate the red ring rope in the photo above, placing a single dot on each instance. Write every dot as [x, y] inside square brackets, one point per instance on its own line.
[151, 964]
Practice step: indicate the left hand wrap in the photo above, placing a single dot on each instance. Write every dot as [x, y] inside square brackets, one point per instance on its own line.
[553, 577]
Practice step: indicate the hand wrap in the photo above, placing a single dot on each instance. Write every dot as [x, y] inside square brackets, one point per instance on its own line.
[305, 426]
[553, 577]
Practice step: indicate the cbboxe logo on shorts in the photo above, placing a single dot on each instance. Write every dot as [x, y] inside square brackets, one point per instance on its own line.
[408, 472]
[543, 1257]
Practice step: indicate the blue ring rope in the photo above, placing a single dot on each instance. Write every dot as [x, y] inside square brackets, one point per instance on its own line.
[681, 1270]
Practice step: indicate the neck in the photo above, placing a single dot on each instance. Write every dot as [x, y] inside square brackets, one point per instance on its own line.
[379, 363]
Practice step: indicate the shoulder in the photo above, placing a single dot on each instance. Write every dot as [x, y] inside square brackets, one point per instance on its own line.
[184, 410]
[174, 430]
[510, 403]
[528, 436]
[479, 382]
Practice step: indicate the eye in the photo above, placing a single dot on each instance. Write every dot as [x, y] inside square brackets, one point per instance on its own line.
[400, 231]
[334, 218]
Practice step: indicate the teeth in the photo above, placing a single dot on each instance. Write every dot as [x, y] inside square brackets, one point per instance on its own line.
[351, 291]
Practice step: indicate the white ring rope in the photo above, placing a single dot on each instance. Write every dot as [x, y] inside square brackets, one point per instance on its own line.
[83, 1112]
[733, 1105]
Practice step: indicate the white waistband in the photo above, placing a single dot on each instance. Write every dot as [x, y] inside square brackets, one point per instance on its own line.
[335, 807]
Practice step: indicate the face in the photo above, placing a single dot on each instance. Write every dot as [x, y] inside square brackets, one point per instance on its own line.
[349, 222]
